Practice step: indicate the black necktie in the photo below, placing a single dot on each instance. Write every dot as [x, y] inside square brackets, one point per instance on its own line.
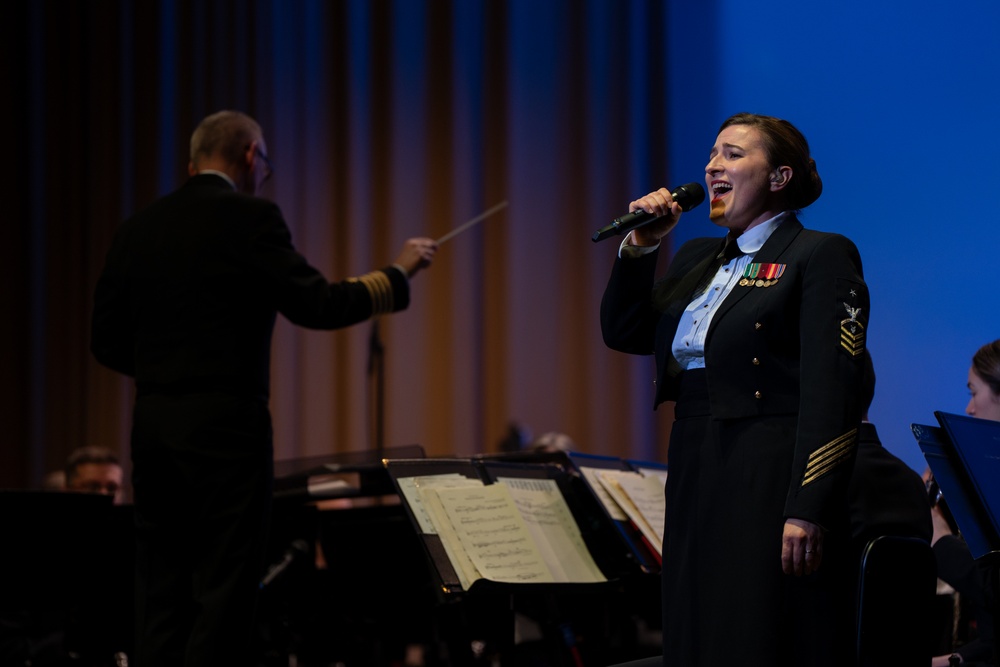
[674, 298]
[730, 251]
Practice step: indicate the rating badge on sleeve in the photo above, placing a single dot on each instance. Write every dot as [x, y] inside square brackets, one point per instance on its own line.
[852, 332]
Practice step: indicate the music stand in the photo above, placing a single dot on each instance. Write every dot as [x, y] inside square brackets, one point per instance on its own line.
[68, 560]
[964, 456]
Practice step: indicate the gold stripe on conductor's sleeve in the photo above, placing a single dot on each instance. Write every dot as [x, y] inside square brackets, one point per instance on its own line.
[382, 285]
[379, 290]
[827, 457]
[374, 291]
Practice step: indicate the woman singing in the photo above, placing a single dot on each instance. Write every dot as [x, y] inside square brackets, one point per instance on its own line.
[759, 339]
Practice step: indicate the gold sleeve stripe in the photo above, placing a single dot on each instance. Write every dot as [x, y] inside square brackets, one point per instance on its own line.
[379, 290]
[827, 457]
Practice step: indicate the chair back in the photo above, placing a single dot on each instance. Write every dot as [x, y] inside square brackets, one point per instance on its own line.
[896, 591]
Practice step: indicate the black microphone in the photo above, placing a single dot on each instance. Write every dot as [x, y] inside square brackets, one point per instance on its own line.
[688, 196]
[294, 550]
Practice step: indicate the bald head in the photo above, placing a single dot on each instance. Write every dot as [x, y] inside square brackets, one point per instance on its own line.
[231, 142]
[224, 135]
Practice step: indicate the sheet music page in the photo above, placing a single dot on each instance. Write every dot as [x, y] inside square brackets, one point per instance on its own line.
[411, 486]
[642, 499]
[593, 477]
[494, 534]
[436, 513]
[554, 529]
[658, 473]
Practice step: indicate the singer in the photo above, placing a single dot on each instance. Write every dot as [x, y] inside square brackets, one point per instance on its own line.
[759, 340]
[186, 305]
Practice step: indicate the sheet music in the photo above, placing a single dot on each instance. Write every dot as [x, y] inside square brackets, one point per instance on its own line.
[462, 563]
[592, 475]
[494, 534]
[642, 500]
[554, 529]
[517, 530]
[411, 487]
[658, 473]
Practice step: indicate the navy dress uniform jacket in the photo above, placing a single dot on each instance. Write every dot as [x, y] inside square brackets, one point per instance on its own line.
[792, 348]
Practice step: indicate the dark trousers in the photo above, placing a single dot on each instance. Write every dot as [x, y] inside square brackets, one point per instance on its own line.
[202, 472]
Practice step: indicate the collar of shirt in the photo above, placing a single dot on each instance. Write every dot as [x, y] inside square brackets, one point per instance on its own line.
[753, 239]
[228, 179]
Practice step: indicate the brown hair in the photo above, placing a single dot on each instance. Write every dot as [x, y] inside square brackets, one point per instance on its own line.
[986, 364]
[785, 147]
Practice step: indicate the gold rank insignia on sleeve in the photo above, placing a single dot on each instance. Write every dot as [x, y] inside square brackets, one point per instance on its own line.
[827, 457]
[852, 332]
[379, 289]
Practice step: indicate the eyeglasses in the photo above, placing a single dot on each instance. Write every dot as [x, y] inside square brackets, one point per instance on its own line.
[269, 169]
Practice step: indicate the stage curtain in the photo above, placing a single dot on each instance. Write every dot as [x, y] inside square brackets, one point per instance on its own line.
[384, 120]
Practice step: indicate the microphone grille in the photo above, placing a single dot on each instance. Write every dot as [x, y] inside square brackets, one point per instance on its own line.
[689, 195]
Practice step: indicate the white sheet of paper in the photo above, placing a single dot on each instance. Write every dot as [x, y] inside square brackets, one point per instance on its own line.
[659, 473]
[642, 499]
[494, 534]
[465, 569]
[410, 486]
[554, 529]
[593, 477]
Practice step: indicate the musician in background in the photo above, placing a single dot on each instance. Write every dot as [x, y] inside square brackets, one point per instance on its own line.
[887, 496]
[956, 566]
[186, 305]
[94, 470]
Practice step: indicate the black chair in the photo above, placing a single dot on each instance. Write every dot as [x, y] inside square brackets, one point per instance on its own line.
[896, 589]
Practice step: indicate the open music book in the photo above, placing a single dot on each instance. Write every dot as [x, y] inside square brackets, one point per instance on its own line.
[517, 530]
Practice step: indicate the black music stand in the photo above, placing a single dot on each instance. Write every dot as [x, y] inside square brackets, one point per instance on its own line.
[964, 455]
[66, 568]
[356, 474]
[489, 607]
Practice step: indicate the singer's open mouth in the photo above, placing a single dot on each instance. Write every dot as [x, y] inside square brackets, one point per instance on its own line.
[720, 188]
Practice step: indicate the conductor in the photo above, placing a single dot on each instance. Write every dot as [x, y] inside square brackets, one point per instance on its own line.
[186, 305]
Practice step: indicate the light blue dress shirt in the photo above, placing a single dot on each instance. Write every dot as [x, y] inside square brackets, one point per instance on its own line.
[689, 341]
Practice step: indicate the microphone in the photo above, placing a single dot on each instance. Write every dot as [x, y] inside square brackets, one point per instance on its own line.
[688, 196]
[294, 550]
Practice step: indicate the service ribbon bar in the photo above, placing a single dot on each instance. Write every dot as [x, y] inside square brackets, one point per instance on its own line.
[760, 274]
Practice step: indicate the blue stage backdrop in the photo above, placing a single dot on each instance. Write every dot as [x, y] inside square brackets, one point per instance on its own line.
[897, 102]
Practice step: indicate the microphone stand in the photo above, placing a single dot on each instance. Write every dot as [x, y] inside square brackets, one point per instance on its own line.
[376, 394]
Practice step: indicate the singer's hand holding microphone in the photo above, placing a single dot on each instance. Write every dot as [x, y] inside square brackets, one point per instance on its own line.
[655, 214]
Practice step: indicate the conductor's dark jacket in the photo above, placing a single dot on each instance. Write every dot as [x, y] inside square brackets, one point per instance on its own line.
[793, 347]
[192, 285]
[186, 305]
